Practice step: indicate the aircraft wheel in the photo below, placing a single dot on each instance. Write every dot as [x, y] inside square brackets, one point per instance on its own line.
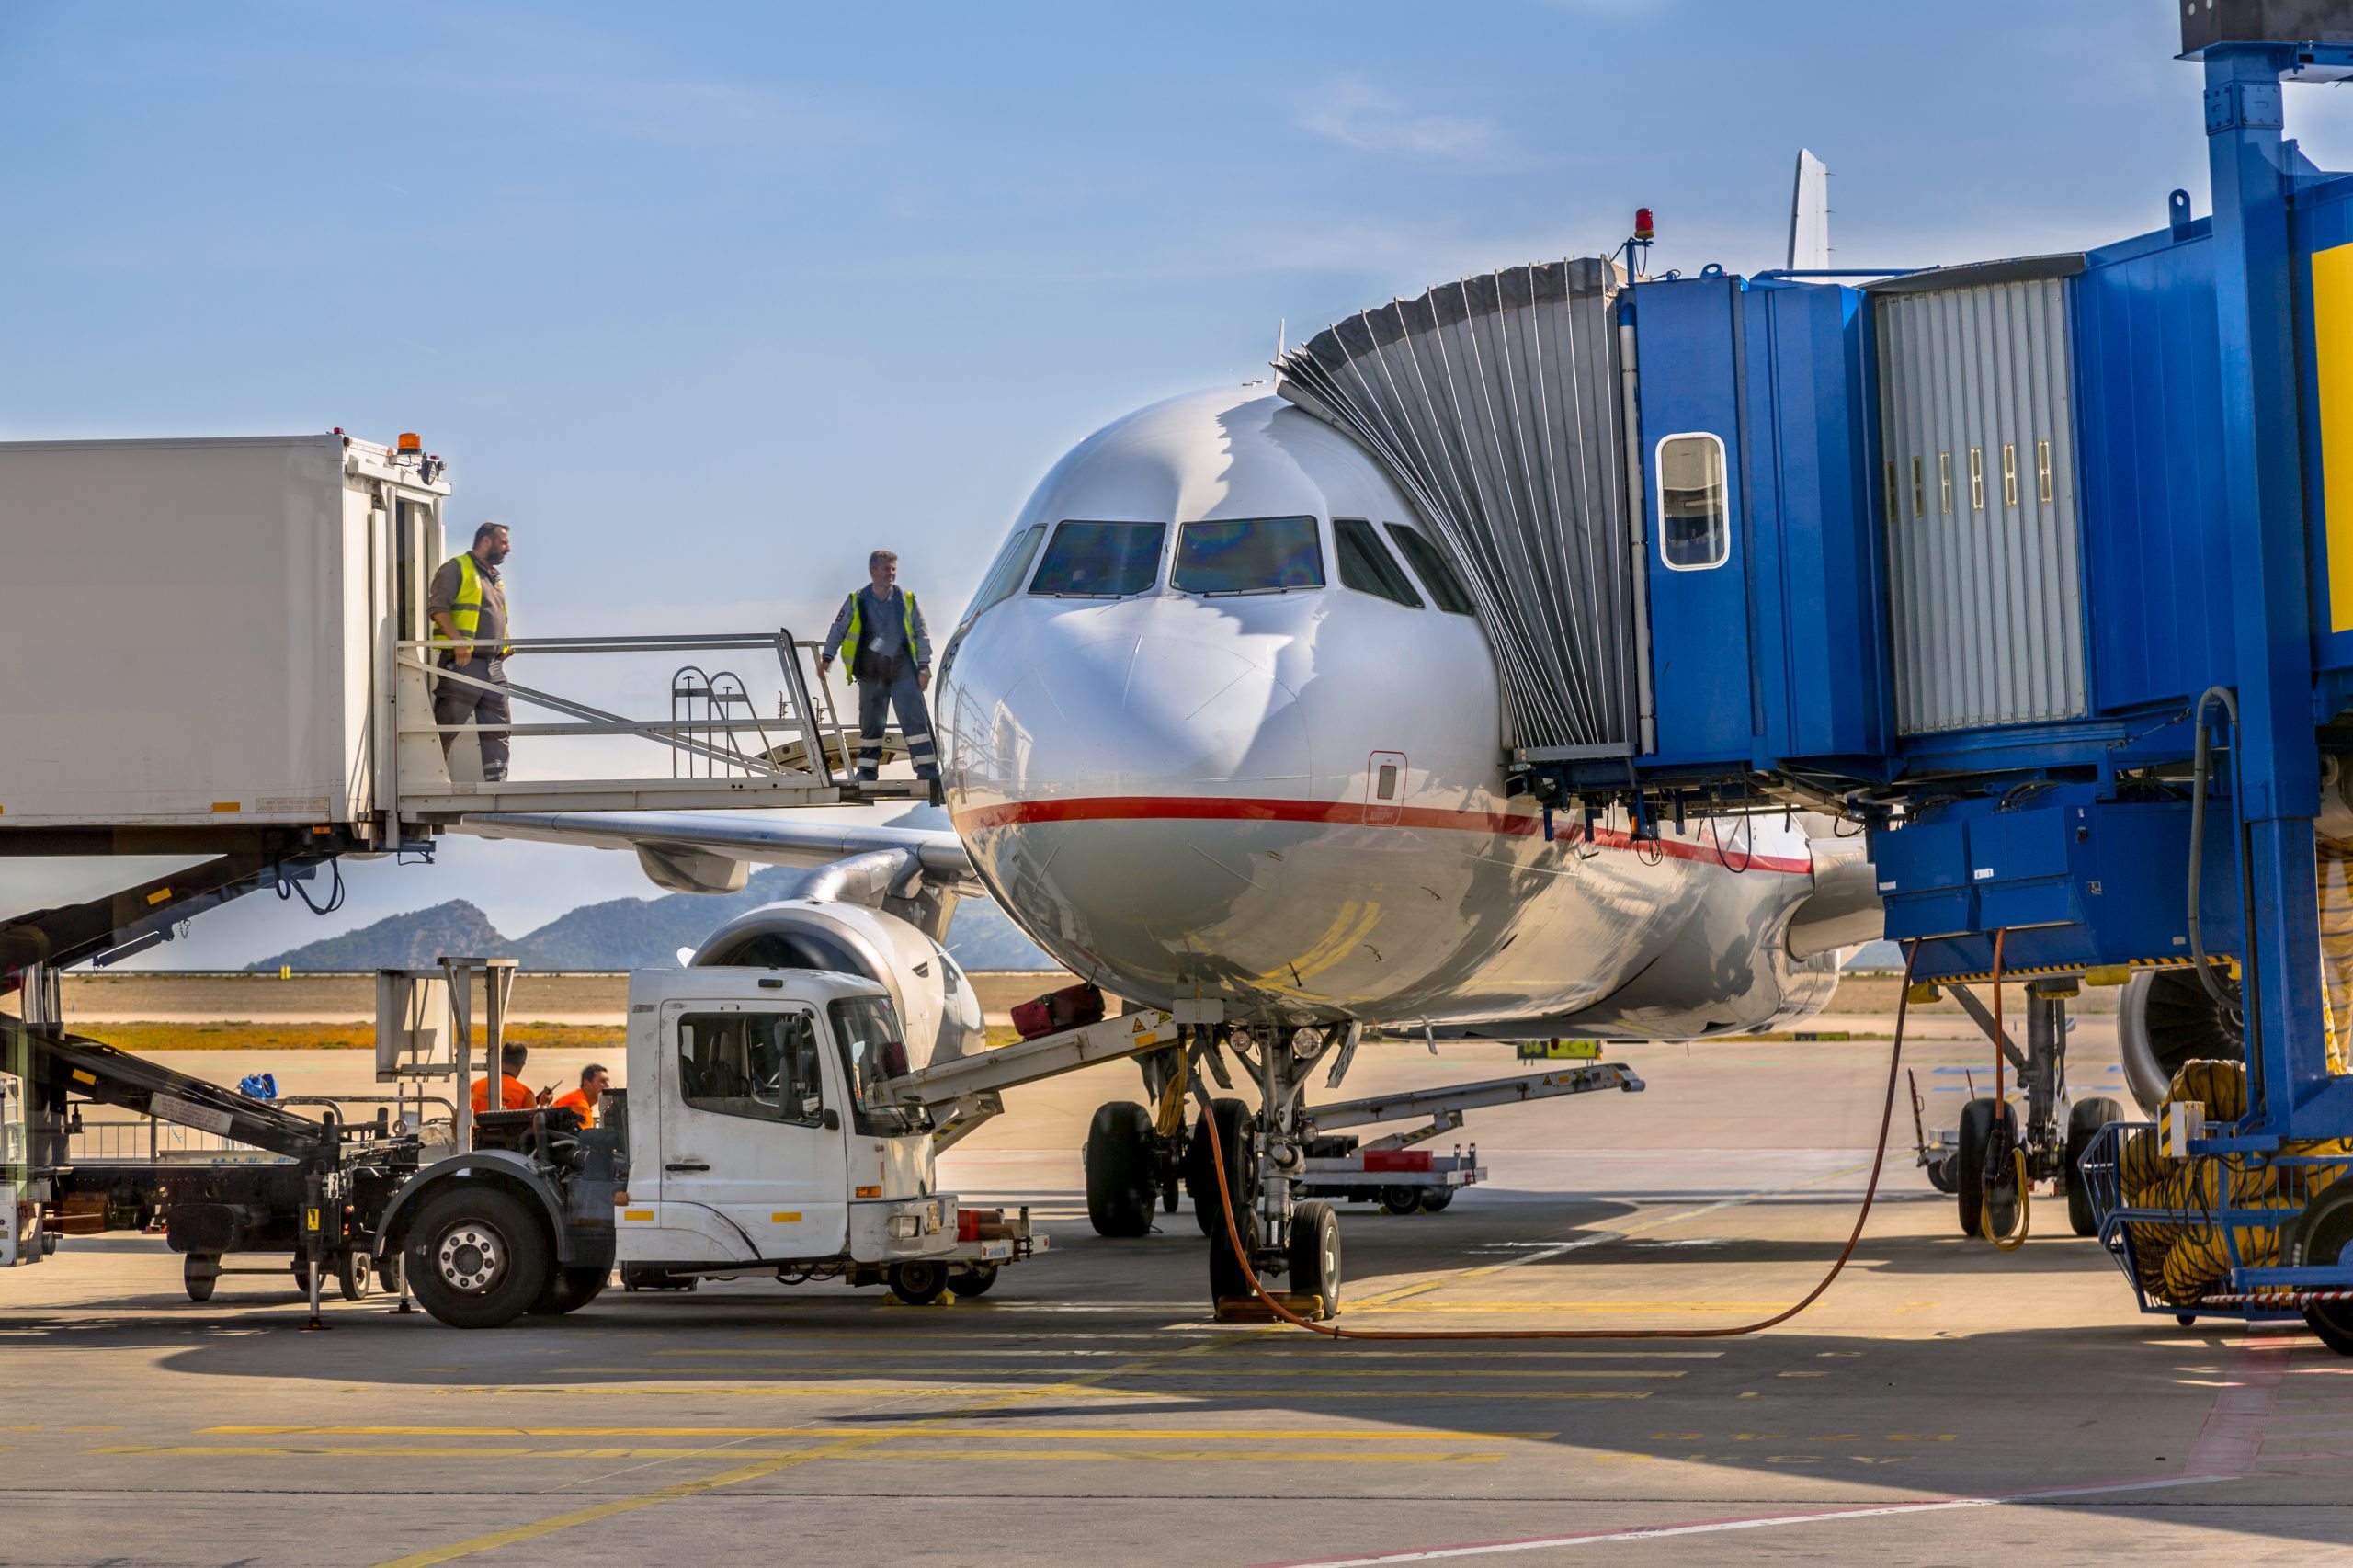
[920, 1283]
[568, 1289]
[1400, 1199]
[1201, 1181]
[2085, 1120]
[1315, 1254]
[975, 1280]
[476, 1258]
[1435, 1198]
[1976, 1132]
[200, 1272]
[1118, 1170]
[1229, 1281]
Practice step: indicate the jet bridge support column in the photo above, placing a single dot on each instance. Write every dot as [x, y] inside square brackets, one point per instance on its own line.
[2275, 762]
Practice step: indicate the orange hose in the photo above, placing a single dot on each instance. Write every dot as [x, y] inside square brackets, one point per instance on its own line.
[1332, 1331]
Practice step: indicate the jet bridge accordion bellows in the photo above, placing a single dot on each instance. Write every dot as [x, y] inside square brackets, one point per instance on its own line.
[1496, 402]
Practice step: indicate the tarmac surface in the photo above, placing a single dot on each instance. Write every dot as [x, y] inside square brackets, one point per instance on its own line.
[1942, 1402]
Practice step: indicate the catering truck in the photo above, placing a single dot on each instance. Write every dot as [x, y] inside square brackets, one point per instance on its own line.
[772, 1126]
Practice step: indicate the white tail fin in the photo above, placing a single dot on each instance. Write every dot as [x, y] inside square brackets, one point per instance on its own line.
[1810, 216]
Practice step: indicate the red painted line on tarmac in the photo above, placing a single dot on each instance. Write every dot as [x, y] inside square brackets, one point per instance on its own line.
[2232, 1438]
[1351, 813]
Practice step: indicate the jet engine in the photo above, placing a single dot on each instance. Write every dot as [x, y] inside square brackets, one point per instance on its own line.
[933, 997]
[2167, 1017]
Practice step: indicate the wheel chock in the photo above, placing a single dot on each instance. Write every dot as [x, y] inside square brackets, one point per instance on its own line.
[1250, 1309]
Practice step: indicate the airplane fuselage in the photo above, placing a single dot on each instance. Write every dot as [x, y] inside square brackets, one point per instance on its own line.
[1231, 760]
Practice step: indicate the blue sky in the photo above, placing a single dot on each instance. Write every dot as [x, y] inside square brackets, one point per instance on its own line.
[706, 301]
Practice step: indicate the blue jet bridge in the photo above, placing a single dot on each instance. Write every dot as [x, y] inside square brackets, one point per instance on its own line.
[2040, 570]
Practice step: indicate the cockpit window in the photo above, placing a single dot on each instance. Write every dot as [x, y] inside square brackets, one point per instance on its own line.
[1106, 561]
[1436, 574]
[1012, 566]
[1248, 555]
[1367, 566]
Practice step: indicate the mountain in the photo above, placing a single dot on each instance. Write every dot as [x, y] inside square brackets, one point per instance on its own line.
[415, 940]
[623, 934]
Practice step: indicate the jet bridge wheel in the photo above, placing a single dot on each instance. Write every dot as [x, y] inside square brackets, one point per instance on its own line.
[476, 1258]
[2084, 1118]
[1976, 1132]
[200, 1272]
[1120, 1192]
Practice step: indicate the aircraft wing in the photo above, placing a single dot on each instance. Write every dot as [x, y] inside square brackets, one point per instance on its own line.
[702, 852]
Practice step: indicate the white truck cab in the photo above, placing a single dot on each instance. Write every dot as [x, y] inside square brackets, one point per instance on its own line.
[760, 1139]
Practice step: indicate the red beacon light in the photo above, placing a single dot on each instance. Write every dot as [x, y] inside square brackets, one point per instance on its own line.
[1642, 228]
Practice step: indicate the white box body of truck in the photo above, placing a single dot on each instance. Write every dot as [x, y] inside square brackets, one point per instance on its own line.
[199, 631]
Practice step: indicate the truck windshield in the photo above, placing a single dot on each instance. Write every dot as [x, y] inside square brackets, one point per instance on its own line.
[873, 1049]
[1106, 561]
[1248, 555]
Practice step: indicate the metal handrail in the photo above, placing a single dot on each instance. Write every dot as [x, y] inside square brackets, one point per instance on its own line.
[685, 738]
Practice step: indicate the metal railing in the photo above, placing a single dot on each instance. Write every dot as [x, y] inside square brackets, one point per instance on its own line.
[716, 734]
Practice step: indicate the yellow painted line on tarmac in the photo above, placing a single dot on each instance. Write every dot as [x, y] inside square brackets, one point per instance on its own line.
[596, 1511]
[761, 1468]
[897, 1451]
[1541, 1255]
[1570, 1309]
[928, 1427]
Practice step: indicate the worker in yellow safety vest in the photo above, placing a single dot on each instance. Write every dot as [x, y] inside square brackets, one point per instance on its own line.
[881, 637]
[468, 604]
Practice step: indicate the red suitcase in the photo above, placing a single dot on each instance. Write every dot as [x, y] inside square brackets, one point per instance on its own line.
[1063, 1009]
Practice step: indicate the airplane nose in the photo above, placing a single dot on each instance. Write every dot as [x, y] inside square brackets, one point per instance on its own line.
[1144, 713]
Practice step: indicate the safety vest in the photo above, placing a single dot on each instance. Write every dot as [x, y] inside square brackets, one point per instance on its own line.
[465, 610]
[857, 617]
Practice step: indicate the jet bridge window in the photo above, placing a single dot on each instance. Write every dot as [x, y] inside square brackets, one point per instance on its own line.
[1436, 574]
[762, 1065]
[1368, 568]
[1248, 555]
[1694, 533]
[1100, 561]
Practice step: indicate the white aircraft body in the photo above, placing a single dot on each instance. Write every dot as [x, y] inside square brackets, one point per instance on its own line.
[1218, 726]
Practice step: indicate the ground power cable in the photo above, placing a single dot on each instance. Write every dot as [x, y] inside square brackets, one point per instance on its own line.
[1334, 1331]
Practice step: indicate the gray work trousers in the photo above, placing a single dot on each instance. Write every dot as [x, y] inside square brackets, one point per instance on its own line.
[457, 703]
[876, 699]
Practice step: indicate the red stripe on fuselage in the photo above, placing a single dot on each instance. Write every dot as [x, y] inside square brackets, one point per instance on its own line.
[1350, 814]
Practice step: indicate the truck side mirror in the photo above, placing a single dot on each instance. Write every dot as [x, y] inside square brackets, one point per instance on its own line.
[833, 1121]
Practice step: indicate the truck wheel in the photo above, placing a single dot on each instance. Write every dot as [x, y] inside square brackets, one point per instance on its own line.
[1201, 1181]
[1315, 1254]
[975, 1280]
[388, 1274]
[476, 1258]
[568, 1289]
[2085, 1120]
[1400, 1199]
[918, 1284]
[1969, 1163]
[1435, 1198]
[1118, 1170]
[201, 1271]
[351, 1277]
